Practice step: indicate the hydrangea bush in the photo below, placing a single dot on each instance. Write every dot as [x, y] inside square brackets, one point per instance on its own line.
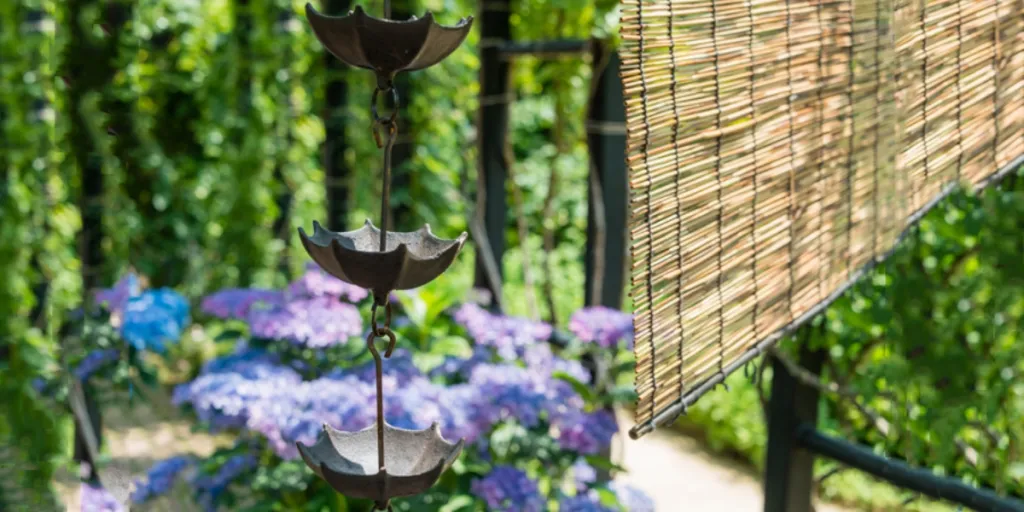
[297, 360]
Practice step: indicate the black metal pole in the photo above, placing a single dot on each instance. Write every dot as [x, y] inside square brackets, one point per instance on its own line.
[402, 218]
[902, 474]
[495, 30]
[607, 242]
[334, 117]
[789, 469]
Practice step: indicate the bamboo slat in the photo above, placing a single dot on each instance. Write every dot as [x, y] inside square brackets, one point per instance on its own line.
[778, 148]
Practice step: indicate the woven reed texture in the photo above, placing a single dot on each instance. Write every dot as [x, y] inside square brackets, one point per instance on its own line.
[778, 148]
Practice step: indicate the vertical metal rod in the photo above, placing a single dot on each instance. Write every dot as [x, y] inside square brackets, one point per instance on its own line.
[380, 411]
[385, 200]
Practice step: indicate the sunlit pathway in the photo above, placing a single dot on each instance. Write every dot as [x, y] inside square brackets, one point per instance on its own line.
[683, 476]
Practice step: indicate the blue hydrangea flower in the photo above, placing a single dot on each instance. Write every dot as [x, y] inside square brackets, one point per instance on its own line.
[512, 392]
[160, 478]
[313, 322]
[317, 283]
[507, 489]
[585, 502]
[96, 499]
[154, 318]
[234, 303]
[458, 368]
[586, 433]
[631, 498]
[93, 361]
[603, 326]
[508, 335]
[117, 297]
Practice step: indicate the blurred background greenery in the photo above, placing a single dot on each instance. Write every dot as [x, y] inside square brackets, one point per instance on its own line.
[188, 135]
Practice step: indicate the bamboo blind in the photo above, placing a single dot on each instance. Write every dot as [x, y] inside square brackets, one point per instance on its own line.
[777, 149]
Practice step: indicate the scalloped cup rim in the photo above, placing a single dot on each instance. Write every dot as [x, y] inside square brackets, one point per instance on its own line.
[453, 451]
[360, 12]
[368, 225]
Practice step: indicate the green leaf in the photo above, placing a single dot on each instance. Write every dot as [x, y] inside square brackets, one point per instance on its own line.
[456, 346]
[584, 390]
[459, 502]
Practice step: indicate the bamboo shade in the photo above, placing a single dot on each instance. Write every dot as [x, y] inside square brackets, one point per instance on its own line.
[778, 149]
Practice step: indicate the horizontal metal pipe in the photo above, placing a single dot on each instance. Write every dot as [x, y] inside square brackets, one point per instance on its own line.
[903, 475]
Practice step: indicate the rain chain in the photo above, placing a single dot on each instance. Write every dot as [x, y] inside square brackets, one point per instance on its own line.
[383, 462]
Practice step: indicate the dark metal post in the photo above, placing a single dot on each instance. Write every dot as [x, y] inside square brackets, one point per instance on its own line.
[334, 115]
[789, 469]
[402, 218]
[495, 29]
[608, 193]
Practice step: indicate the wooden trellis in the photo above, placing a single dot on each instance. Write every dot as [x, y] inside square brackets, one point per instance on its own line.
[778, 149]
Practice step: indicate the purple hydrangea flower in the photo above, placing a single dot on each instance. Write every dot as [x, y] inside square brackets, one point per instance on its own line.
[541, 359]
[508, 335]
[317, 283]
[631, 498]
[603, 326]
[315, 323]
[224, 398]
[583, 475]
[457, 367]
[117, 297]
[399, 366]
[96, 499]
[512, 392]
[234, 303]
[585, 502]
[154, 318]
[93, 361]
[160, 478]
[586, 433]
[507, 489]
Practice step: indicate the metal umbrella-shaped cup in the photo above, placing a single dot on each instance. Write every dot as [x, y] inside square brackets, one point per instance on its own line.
[409, 260]
[387, 46]
[348, 461]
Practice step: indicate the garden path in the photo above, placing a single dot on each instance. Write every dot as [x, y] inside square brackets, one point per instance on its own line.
[674, 469]
[683, 475]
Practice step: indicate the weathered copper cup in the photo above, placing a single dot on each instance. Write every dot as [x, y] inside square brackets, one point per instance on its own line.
[410, 259]
[387, 46]
[348, 461]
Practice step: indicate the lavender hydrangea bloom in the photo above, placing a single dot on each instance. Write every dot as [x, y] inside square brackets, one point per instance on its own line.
[154, 318]
[115, 298]
[224, 398]
[399, 366]
[462, 368]
[586, 502]
[583, 475]
[586, 433]
[96, 499]
[235, 303]
[602, 325]
[507, 489]
[540, 358]
[346, 404]
[93, 361]
[511, 392]
[317, 283]
[631, 498]
[160, 478]
[315, 323]
[508, 335]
